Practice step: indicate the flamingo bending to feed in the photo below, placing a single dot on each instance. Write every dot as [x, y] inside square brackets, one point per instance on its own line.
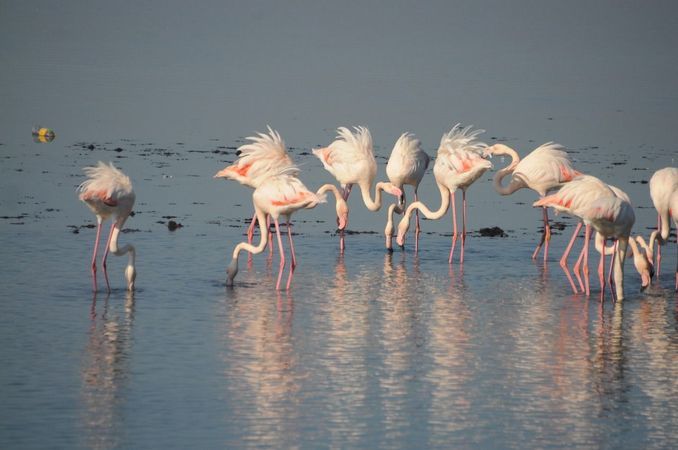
[543, 170]
[459, 163]
[351, 160]
[262, 157]
[406, 166]
[610, 215]
[282, 195]
[663, 184]
[108, 192]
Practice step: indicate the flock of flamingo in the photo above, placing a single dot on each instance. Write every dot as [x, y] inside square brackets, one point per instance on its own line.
[264, 165]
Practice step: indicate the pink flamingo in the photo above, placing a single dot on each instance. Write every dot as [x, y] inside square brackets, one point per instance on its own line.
[663, 184]
[351, 160]
[406, 166]
[281, 195]
[108, 192]
[459, 163]
[264, 156]
[610, 215]
[543, 170]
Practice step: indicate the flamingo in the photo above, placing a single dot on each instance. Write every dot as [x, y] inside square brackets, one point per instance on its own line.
[610, 215]
[459, 163]
[108, 192]
[282, 195]
[263, 156]
[351, 160]
[543, 170]
[407, 165]
[663, 184]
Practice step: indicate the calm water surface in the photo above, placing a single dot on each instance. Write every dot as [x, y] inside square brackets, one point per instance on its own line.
[367, 351]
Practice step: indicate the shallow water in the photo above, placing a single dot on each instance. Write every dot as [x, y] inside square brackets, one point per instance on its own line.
[372, 350]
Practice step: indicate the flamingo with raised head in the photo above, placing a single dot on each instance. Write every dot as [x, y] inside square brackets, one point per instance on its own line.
[350, 159]
[663, 184]
[610, 215]
[282, 195]
[460, 162]
[406, 166]
[108, 193]
[546, 168]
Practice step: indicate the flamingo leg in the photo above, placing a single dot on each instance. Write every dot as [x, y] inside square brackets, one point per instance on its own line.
[659, 247]
[587, 239]
[463, 226]
[270, 236]
[576, 270]
[610, 271]
[93, 265]
[417, 229]
[289, 236]
[545, 237]
[454, 224]
[250, 235]
[342, 240]
[103, 260]
[282, 254]
[563, 259]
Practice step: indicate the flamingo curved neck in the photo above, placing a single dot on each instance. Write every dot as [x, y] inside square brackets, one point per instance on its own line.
[433, 215]
[599, 245]
[514, 185]
[263, 231]
[127, 249]
[665, 227]
[372, 205]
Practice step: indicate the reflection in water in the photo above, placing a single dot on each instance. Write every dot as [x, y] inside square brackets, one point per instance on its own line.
[105, 371]
[262, 374]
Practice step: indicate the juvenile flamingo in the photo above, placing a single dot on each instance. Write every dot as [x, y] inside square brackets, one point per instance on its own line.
[459, 163]
[663, 184]
[544, 169]
[612, 217]
[108, 192]
[406, 166]
[282, 195]
[351, 160]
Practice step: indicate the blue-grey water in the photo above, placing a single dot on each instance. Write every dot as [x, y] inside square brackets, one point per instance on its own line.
[368, 350]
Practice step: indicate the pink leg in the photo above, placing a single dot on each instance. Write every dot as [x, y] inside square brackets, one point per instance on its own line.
[342, 240]
[250, 235]
[93, 265]
[270, 235]
[454, 224]
[545, 237]
[289, 236]
[103, 262]
[576, 269]
[563, 259]
[417, 229]
[610, 271]
[282, 255]
[587, 239]
[659, 247]
[463, 226]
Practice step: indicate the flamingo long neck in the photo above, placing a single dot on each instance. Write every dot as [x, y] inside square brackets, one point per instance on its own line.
[515, 184]
[372, 205]
[263, 232]
[622, 244]
[433, 215]
[393, 208]
[665, 226]
[649, 248]
[338, 197]
[129, 248]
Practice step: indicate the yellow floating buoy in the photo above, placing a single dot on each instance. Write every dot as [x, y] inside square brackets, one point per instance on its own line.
[43, 135]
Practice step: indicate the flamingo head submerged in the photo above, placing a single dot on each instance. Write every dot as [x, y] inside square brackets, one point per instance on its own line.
[231, 272]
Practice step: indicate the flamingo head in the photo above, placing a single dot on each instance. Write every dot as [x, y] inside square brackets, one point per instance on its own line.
[130, 276]
[392, 189]
[342, 215]
[231, 272]
[403, 226]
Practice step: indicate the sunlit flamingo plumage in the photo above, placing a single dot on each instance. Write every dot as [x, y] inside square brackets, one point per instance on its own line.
[108, 193]
[663, 184]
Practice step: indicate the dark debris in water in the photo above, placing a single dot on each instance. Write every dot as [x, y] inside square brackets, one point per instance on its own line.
[172, 225]
[492, 232]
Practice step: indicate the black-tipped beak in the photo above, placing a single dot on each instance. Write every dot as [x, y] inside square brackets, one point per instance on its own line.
[643, 288]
